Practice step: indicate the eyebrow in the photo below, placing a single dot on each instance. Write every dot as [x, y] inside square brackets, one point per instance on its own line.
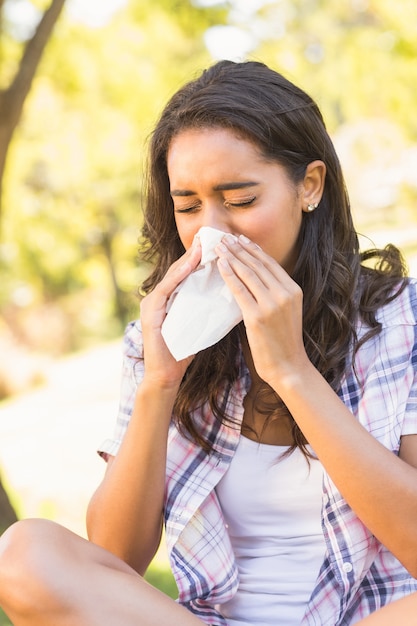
[222, 187]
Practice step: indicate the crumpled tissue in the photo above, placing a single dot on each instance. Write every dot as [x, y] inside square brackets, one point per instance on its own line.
[202, 309]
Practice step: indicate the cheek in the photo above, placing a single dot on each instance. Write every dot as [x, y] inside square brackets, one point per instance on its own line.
[277, 234]
[264, 231]
[186, 233]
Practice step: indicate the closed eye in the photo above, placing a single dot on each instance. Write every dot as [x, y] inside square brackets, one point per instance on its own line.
[190, 209]
[241, 203]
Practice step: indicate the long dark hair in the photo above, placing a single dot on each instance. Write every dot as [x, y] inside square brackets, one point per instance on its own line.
[286, 125]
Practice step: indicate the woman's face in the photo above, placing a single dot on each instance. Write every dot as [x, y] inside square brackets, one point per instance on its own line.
[220, 180]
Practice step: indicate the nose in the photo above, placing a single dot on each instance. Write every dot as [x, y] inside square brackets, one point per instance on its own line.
[215, 216]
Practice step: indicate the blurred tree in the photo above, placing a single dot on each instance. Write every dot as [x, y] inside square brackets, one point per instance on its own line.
[72, 203]
[13, 97]
[7, 513]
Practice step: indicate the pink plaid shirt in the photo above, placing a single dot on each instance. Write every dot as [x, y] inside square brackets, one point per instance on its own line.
[358, 574]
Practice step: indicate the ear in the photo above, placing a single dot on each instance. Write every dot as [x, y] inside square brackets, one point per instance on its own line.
[313, 185]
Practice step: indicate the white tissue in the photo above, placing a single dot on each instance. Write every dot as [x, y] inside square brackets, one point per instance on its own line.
[201, 310]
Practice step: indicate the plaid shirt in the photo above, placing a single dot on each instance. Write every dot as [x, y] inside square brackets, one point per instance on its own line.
[358, 574]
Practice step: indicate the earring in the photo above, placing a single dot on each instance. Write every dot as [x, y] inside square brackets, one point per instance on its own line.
[311, 207]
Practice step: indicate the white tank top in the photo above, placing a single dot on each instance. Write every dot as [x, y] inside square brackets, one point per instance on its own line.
[272, 508]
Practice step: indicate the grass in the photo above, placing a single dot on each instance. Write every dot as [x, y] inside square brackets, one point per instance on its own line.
[158, 575]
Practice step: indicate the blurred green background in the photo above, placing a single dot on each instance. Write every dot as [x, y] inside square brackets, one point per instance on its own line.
[71, 191]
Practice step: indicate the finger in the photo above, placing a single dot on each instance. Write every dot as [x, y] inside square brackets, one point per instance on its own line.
[246, 275]
[245, 297]
[180, 269]
[154, 305]
[255, 276]
[251, 254]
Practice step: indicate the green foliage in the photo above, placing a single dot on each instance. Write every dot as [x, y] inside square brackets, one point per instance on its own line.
[4, 620]
[160, 576]
[357, 58]
[72, 198]
[73, 183]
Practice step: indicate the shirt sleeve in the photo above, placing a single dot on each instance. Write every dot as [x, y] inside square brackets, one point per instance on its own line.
[132, 375]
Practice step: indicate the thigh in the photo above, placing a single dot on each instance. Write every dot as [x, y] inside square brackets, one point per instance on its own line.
[50, 576]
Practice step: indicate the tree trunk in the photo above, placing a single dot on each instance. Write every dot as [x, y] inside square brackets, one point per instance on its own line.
[13, 98]
[1, 20]
[120, 305]
[7, 512]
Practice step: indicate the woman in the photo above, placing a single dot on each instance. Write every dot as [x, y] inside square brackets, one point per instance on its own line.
[288, 486]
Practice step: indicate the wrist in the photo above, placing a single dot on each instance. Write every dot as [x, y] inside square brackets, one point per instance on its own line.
[154, 402]
[294, 380]
[161, 388]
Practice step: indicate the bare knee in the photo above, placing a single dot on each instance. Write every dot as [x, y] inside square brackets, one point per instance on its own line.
[22, 543]
[28, 574]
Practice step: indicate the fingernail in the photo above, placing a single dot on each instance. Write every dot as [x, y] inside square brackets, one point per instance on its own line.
[244, 239]
[229, 238]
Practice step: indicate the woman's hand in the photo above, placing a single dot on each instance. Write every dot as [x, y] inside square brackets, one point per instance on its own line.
[271, 305]
[160, 366]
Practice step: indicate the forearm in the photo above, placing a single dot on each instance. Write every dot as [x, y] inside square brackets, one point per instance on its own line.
[379, 486]
[401, 612]
[125, 513]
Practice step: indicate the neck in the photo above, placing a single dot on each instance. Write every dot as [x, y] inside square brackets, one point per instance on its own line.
[261, 421]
